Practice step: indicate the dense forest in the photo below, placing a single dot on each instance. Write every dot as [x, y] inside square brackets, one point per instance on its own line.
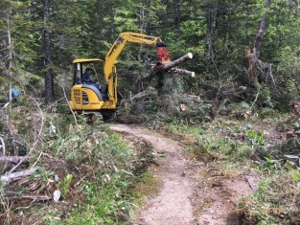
[39, 40]
[245, 57]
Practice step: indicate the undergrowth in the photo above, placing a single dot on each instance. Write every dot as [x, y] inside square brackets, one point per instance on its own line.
[247, 147]
[94, 172]
[85, 173]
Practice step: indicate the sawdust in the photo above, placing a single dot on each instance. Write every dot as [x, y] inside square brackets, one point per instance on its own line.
[187, 195]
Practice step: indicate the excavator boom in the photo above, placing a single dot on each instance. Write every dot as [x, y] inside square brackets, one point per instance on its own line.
[119, 44]
[109, 68]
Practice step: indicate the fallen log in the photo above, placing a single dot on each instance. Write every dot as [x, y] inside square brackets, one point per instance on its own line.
[18, 175]
[14, 159]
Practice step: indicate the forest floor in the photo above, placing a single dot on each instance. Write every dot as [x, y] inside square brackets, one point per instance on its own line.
[194, 189]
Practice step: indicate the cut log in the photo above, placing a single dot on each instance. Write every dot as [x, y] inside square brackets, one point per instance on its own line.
[18, 175]
[170, 67]
[176, 62]
[183, 72]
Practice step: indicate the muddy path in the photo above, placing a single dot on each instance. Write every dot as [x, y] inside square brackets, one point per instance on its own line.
[192, 191]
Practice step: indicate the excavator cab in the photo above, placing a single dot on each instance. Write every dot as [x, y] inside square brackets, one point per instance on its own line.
[85, 97]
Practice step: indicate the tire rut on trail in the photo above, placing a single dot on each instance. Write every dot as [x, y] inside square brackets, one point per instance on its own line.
[181, 200]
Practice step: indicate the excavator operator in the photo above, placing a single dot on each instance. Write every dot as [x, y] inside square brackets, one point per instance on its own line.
[86, 78]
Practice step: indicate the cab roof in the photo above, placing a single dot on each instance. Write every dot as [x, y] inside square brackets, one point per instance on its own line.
[88, 61]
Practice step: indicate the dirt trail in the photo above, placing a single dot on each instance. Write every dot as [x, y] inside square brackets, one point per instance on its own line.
[185, 198]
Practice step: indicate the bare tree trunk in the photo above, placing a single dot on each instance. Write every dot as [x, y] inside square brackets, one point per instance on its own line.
[251, 54]
[262, 27]
[47, 59]
[9, 43]
[211, 18]
[177, 19]
[143, 20]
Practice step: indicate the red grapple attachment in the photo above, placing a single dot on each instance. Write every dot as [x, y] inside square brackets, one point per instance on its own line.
[162, 55]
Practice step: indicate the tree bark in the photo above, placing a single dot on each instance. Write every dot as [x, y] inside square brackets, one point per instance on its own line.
[262, 27]
[176, 62]
[177, 19]
[9, 43]
[49, 91]
[251, 54]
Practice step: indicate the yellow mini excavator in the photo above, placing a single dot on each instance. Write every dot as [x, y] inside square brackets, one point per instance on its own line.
[88, 97]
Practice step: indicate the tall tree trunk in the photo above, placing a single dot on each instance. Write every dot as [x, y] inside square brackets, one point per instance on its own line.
[262, 27]
[9, 43]
[211, 18]
[9, 50]
[49, 91]
[177, 18]
[211, 9]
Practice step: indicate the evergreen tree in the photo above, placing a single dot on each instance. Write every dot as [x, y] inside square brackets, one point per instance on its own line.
[16, 39]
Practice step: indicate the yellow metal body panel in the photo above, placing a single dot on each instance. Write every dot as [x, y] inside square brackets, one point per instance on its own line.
[88, 60]
[84, 99]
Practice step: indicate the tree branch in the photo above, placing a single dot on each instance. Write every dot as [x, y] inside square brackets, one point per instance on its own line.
[18, 175]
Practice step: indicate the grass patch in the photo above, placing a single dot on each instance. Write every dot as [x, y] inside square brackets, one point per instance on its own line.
[147, 185]
[248, 147]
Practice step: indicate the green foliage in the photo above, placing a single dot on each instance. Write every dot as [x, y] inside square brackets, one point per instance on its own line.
[182, 129]
[296, 177]
[255, 138]
[272, 203]
[66, 184]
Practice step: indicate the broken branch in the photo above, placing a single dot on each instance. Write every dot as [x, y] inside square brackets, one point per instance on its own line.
[33, 197]
[3, 146]
[18, 175]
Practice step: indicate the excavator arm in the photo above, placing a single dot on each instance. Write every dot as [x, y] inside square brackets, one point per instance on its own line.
[119, 44]
[109, 67]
